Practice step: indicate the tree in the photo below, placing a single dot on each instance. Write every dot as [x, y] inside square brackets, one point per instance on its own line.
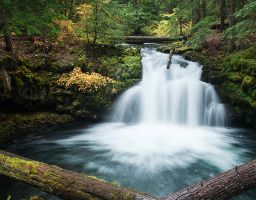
[29, 18]
[222, 14]
[245, 24]
[103, 20]
[5, 13]
[231, 21]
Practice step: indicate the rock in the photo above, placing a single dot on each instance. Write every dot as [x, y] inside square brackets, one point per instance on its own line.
[15, 125]
[248, 82]
[236, 88]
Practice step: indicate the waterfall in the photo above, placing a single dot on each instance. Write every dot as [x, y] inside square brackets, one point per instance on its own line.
[175, 95]
[170, 120]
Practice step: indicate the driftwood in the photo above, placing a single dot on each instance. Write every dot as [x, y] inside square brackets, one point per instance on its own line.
[71, 185]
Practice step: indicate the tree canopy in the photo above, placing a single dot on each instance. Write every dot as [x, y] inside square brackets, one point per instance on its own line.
[108, 21]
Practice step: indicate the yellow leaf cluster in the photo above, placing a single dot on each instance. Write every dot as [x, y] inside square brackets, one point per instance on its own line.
[67, 30]
[85, 82]
[84, 10]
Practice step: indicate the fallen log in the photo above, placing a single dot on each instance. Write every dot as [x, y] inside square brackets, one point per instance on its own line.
[72, 185]
[62, 183]
[150, 39]
[222, 186]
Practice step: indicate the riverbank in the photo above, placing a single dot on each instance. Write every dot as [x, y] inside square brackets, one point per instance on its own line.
[232, 73]
[16, 125]
[67, 79]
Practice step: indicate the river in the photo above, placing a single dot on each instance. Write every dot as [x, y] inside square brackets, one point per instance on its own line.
[163, 134]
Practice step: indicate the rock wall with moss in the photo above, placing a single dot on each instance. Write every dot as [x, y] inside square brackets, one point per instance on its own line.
[29, 82]
[234, 76]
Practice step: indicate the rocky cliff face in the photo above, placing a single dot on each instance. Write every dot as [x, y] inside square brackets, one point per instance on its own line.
[234, 77]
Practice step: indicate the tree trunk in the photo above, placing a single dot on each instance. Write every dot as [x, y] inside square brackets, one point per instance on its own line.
[95, 34]
[71, 185]
[231, 21]
[222, 14]
[65, 7]
[63, 183]
[71, 9]
[222, 186]
[195, 11]
[202, 9]
[180, 25]
[8, 42]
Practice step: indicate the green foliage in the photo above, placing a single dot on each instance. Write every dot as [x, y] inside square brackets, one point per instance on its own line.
[126, 65]
[30, 17]
[105, 21]
[131, 67]
[246, 22]
[201, 31]
[241, 61]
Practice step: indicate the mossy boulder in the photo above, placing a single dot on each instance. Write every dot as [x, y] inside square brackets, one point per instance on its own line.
[249, 82]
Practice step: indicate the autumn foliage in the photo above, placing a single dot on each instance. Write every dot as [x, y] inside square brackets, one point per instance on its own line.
[84, 82]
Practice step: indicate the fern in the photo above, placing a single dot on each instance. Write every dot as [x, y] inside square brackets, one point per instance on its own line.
[201, 31]
[246, 22]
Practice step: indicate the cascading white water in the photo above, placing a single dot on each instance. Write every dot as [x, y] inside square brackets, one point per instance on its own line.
[174, 95]
[160, 130]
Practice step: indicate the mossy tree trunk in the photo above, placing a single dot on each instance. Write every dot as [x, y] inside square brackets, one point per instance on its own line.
[222, 186]
[63, 183]
[71, 185]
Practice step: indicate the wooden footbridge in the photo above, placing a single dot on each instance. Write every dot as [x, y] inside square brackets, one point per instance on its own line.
[151, 39]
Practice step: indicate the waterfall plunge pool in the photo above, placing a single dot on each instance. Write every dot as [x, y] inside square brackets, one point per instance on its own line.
[136, 161]
[164, 134]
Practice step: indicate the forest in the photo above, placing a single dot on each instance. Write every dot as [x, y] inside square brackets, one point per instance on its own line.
[127, 99]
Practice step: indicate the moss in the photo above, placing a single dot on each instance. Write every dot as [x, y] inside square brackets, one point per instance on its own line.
[28, 167]
[243, 61]
[202, 58]
[248, 82]
[234, 77]
[253, 93]
[35, 198]
[236, 94]
[253, 104]
[19, 82]
[14, 124]
[180, 47]
[96, 178]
